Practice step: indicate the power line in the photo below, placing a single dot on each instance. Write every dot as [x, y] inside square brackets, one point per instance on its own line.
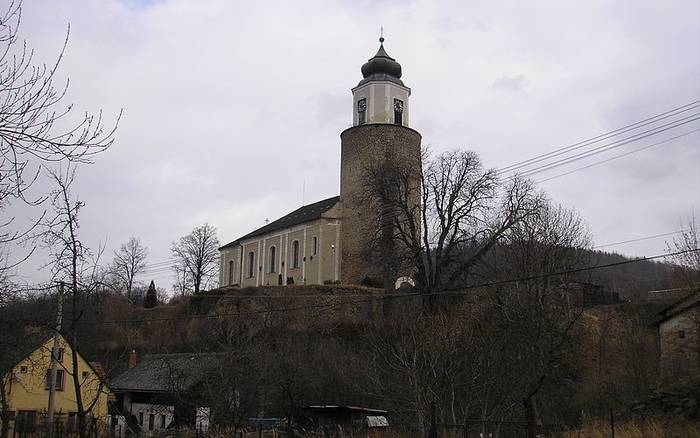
[597, 163]
[601, 137]
[639, 239]
[606, 147]
[447, 292]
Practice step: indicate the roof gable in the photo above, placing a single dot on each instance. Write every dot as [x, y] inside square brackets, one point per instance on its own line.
[299, 216]
[43, 341]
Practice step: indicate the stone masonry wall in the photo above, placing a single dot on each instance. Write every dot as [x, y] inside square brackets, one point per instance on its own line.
[361, 147]
[679, 339]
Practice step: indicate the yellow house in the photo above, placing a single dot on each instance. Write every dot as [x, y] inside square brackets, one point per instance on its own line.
[27, 386]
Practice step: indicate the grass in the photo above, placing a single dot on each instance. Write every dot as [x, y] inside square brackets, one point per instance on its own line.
[639, 429]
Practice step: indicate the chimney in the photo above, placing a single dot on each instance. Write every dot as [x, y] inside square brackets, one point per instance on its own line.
[132, 359]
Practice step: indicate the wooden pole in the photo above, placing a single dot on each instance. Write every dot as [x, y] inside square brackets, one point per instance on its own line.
[54, 363]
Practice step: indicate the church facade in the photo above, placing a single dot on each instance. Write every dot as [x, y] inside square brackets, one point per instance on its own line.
[330, 240]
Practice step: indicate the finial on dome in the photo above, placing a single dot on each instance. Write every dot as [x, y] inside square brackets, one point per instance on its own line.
[381, 67]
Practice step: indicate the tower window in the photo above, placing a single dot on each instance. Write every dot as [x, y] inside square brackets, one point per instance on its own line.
[314, 245]
[361, 111]
[398, 112]
[273, 259]
[295, 254]
[231, 265]
[251, 263]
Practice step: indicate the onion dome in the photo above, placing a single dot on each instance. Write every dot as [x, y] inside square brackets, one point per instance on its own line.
[381, 67]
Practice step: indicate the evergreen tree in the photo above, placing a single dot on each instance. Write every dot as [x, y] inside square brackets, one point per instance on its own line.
[151, 299]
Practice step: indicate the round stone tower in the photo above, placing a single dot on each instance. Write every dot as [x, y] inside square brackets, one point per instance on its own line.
[380, 134]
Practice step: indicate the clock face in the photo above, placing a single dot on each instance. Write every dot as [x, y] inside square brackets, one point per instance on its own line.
[362, 105]
[398, 105]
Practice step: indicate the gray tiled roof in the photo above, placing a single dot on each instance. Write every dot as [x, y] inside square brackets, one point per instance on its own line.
[165, 373]
[299, 216]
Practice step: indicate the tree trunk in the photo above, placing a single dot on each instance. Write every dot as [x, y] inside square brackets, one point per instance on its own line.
[531, 416]
[4, 416]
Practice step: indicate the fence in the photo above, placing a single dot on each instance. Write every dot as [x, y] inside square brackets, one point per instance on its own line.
[29, 424]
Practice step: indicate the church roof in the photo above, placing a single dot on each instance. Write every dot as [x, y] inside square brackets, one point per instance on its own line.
[299, 216]
[381, 67]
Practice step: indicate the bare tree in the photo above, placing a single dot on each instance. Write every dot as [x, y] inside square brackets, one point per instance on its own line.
[197, 257]
[183, 278]
[687, 243]
[77, 265]
[129, 261]
[446, 219]
[538, 312]
[31, 106]
[37, 128]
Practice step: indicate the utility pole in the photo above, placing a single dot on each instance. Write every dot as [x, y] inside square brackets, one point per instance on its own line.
[54, 362]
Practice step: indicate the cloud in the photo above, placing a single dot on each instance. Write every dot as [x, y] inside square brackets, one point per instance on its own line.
[510, 83]
[231, 107]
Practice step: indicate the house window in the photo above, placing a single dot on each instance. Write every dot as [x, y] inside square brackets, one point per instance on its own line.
[398, 112]
[273, 259]
[231, 265]
[151, 421]
[141, 419]
[251, 263]
[361, 111]
[681, 334]
[162, 421]
[295, 254]
[59, 380]
[314, 245]
[59, 355]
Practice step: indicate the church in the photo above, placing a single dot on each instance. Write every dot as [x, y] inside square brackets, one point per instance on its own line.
[327, 241]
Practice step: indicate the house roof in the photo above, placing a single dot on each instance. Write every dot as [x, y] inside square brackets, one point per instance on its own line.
[344, 408]
[164, 373]
[32, 341]
[687, 302]
[299, 216]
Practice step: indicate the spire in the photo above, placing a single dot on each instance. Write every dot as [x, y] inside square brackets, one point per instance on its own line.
[381, 67]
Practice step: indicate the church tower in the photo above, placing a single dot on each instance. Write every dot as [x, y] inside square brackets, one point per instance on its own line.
[380, 134]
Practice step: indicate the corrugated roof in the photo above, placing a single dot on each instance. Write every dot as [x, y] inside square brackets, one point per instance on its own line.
[299, 216]
[164, 373]
[345, 408]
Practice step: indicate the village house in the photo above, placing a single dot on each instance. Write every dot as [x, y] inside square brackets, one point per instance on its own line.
[679, 340]
[27, 386]
[328, 241]
[160, 391]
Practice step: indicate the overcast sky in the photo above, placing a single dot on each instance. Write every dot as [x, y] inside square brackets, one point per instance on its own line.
[230, 108]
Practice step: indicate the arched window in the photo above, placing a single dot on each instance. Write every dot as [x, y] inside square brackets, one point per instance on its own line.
[273, 259]
[398, 112]
[231, 271]
[295, 254]
[251, 263]
[361, 111]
